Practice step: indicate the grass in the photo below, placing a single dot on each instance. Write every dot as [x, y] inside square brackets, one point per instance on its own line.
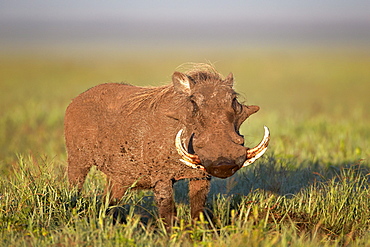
[311, 188]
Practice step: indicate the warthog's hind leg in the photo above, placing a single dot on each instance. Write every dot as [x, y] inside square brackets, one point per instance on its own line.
[77, 172]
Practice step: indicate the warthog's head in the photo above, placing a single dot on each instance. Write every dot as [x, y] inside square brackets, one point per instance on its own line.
[211, 115]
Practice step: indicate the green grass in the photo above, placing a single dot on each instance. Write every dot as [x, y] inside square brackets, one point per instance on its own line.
[310, 189]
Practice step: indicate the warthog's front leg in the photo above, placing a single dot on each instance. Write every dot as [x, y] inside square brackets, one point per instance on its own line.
[163, 193]
[198, 190]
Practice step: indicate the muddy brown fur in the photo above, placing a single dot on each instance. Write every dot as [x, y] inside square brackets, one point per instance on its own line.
[128, 133]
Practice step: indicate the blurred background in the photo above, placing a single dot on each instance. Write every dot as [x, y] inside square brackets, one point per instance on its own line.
[305, 63]
[116, 25]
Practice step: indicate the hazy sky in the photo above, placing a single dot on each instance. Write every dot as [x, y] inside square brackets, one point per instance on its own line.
[185, 10]
[70, 20]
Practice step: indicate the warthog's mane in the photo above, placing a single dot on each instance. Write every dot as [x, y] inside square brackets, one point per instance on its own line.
[202, 72]
[150, 97]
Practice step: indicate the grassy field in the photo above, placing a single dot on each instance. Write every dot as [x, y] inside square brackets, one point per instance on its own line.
[310, 189]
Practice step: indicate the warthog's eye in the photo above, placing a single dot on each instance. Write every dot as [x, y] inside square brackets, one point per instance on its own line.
[238, 108]
[196, 100]
[195, 105]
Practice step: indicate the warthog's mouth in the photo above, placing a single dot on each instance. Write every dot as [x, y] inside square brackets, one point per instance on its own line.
[193, 160]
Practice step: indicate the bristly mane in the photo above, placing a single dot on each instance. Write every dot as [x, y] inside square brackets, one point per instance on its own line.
[149, 97]
[202, 72]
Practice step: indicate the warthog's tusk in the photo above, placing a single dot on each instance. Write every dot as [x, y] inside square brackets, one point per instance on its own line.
[191, 160]
[254, 153]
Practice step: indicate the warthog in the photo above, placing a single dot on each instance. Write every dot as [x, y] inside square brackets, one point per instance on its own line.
[153, 137]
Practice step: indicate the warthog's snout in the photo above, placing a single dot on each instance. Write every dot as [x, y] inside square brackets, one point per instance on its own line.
[223, 167]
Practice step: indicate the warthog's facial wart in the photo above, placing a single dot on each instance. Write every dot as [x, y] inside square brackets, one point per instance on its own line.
[222, 169]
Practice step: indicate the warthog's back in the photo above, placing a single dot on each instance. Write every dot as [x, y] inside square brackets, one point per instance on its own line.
[93, 111]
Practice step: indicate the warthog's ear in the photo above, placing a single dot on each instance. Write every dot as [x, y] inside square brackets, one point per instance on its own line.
[247, 111]
[229, 80]
[182, 83]
[252, 109]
